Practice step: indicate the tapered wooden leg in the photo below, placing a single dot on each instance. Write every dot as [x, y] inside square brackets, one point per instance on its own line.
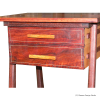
[92, 66]
[12, 76]
[40, 83]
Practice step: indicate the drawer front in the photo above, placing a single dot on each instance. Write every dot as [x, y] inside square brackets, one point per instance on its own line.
[48, 56]
[47, 35]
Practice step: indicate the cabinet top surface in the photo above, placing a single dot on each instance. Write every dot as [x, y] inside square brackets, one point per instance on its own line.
[53, 17]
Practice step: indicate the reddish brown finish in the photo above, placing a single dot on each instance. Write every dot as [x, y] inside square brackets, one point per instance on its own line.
[66, 57]
[52, 17]
[72, 25]
[40, 83]
[62, 35]
[92, 66]
[69, 51]
[12, 76]
[72, 20]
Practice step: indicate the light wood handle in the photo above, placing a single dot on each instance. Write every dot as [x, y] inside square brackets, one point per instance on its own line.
[43, 57]
[41, 36]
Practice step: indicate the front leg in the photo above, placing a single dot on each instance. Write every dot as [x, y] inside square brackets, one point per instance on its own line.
[92, 66]
[12, 75]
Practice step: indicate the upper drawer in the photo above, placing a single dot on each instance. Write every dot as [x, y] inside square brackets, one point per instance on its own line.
[46, 35]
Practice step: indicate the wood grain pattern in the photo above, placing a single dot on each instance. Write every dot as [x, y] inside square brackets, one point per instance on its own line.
[66, 57]
[73, 41]
[62, 35]
[52, 17]
[72, 20]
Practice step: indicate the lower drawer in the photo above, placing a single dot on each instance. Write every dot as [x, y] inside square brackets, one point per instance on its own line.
[65, 57]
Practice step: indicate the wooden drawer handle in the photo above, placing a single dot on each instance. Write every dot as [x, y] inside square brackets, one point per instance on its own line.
[43, 57]
[40, 36]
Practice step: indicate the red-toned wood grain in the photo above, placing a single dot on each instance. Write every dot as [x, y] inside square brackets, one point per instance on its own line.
[12, 76]
[40, 83]
[81, 20]
[66, 57]
[92, 66]
[62, 35]
[68, 52]
[53, 17]
[37, 24]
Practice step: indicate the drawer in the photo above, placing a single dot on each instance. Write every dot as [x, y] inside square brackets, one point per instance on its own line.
[65, 57]
[46, 35]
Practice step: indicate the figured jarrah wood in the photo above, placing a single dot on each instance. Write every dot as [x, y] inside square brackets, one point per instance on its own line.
[65, 57]
[61, 40]
[56, 35]
[53, 17]
[70, 36]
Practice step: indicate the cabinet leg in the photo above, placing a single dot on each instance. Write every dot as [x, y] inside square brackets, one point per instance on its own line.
[92, 65]
[40, 83]
[12, 76]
